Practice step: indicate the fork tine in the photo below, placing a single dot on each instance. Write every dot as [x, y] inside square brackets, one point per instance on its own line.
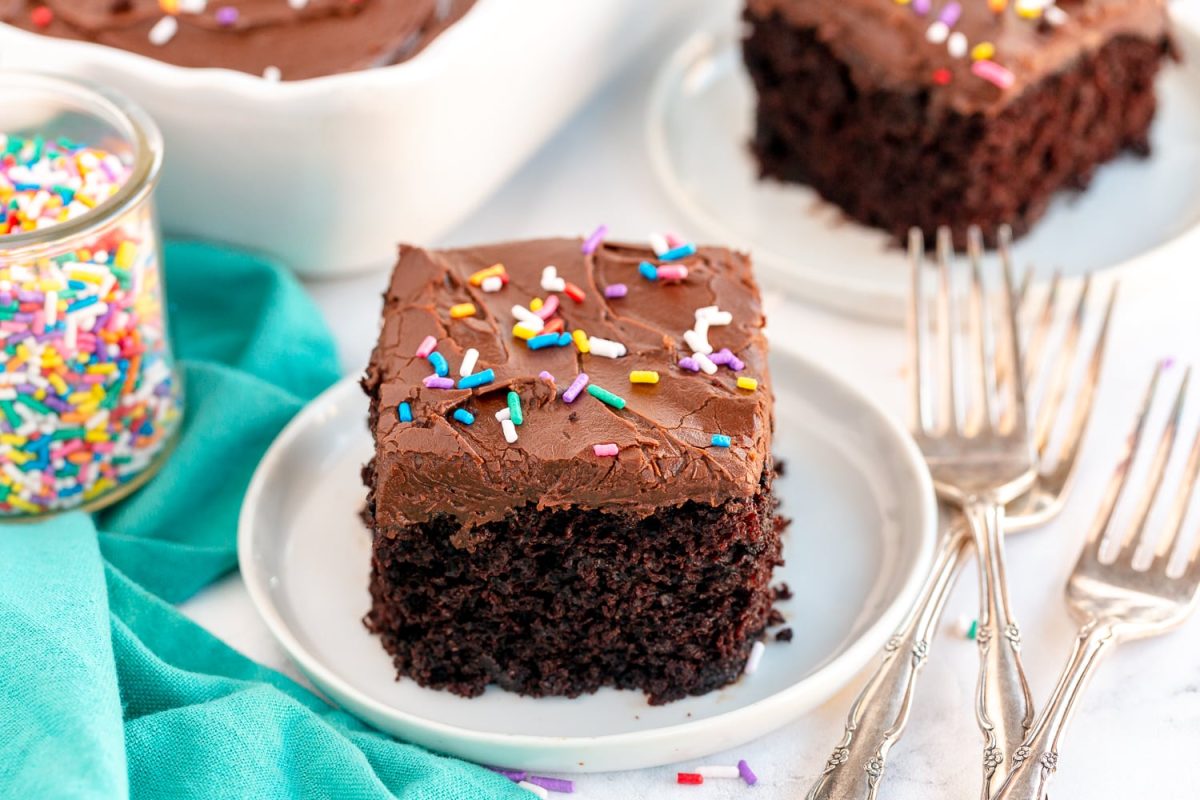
[1036, 347]
[1061, 371]
[1087, 389]
[1016, 416]
[1116, 484]
[981, 332]
[945, 253]
[1137, 530]
[1162, 553]
[917, 330]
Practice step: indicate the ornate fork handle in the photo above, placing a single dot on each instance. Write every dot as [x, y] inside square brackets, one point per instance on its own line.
[880, 712]
[1004, 705]
[1037, 758]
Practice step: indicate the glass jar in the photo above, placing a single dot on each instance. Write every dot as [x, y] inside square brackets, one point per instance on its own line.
[90, 399]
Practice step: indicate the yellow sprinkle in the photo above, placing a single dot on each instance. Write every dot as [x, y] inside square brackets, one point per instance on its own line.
[57, 382]
[1028, 10]
[77, 398]
[643, 376]
[18, 502]
[749, 384]
[903, 2]
[524, 332]
[126, 254]
[462, 310]
[581, 341]
[19, 457]
[479, 277]
[87, 277]
[535, 305]
[983, 51]
[12, 438]
[96, 436]
[106, 368]
[997, 6]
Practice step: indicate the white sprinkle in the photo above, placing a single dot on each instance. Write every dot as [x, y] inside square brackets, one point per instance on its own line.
[272, 74]
[937, 32]
[192, 6]
[957, 45]
[718, 771]
[298, 5]
[492, 283]
[698, 342]
[658, 243]
[525, 315]
[468, 363]
[550, 280]
[510, 430]
[503, 414]
[533, 787]
[606, 348]
[712, 315]
[705, 363]
[1055, 16]
[51, 307]
[962, 626]
[756, 654]
[163, 31]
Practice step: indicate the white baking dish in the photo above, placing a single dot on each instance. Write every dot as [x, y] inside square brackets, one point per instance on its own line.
[329, 173]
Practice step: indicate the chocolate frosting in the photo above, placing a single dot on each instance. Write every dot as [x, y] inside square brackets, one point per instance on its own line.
[884, 44]
[323, 38]
[436, 465]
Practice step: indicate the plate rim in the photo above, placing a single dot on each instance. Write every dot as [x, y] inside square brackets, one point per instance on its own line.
[798, 698]
[859, 298]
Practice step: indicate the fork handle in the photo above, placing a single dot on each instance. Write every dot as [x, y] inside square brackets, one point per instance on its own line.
[1036, 760]
[880, 712]
[1004, 706]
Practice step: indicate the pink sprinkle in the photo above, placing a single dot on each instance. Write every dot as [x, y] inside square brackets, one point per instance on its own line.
[572, 392]
[593, 241]
[672, 272]
[427, 345]
[616, 290]
[553, 784]
[921, 6]
[675, 240]
[747, 774]
[546, 376]
[950, 14]
[993, 73]
[687, 362]
[603, 450]
[548, 308]
[438, 382]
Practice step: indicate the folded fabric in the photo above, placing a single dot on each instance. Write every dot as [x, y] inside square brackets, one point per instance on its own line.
[108, 691]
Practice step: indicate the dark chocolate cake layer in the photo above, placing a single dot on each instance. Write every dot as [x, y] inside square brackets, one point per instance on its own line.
[856, 100]
[620, 539]
[301, 40]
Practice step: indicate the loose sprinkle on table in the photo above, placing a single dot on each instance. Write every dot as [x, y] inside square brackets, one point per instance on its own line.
[756, 654]
[690, 778]
[534, 789]
[719, 771]
[747, 774]
[553, 784]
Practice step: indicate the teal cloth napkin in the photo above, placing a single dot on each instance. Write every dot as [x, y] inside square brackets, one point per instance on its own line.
[106, 690]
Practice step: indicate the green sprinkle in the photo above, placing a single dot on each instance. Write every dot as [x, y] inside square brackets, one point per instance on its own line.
[514, 408]
[605, 396]
[67, 433]
[36, 405]
[973, 630]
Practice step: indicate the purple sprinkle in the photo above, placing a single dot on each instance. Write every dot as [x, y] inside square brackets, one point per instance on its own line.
[546, 376]
[616, 290]
[553, 784]
[512, 774]
[736, 364]
[687, 362]
[438, 382]
[56, 404]
[593, 241]
[747, 774]
[721, 357]
[572, 392]
[1168, 362]
[950, 13]
[227, 15]
[921, 6]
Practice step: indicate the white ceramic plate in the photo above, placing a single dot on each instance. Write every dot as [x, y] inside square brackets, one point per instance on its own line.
[864, 523]
[699, 128]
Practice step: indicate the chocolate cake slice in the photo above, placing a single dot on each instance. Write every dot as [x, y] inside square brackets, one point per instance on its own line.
[591, 504]
[941, 112]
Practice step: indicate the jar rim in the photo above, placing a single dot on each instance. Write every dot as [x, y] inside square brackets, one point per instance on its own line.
[147, 154]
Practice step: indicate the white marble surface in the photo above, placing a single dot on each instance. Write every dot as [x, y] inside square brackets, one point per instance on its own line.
[1138, 732]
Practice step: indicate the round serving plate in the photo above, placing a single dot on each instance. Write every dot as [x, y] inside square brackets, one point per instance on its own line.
[700, 124]
[863, 528]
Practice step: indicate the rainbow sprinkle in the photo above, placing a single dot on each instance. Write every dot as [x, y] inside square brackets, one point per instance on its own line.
[605, 450]
[438, 361]
[721, 440]
[404, 412]
[576, 388]
[606, 397]
[592, 242]
[464, 416]
[514, 408]
[88, 397]
[482, 378]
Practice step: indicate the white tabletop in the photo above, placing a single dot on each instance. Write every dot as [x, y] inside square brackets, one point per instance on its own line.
[1138, 732]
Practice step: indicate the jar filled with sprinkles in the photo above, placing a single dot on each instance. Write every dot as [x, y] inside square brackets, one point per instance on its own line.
[89, 395]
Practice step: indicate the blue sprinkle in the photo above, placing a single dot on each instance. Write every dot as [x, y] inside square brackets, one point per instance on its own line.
[648, 270]
[544, 340]
[90, 300]
[564, 339]
[464, 416]
[721, 440]
[439, 364]
[478, 379]
[404, 412]
[683, 251]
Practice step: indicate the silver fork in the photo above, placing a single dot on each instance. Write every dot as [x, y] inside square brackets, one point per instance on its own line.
[1112, 600]
[880, 712]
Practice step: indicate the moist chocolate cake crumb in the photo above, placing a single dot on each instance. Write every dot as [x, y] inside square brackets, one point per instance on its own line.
[784, 635]
[782, 592]
[775, 618]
